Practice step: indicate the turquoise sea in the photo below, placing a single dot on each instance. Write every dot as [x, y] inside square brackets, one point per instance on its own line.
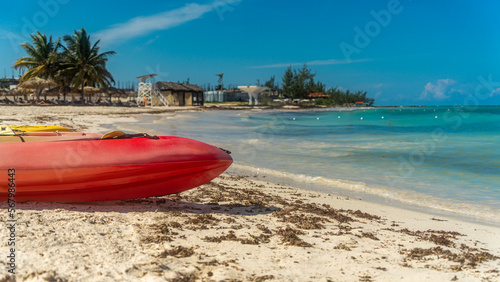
[440, 158]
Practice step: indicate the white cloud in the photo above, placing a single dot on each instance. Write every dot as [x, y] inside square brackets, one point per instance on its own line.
[440, 90]
[311, 63]
[140, 26]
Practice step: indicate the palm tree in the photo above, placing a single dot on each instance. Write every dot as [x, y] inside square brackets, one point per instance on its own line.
[42, 60]
[221, 85]
[84, 63]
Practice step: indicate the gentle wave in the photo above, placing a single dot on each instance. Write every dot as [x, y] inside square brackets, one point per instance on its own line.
[424, 161]
[416, 199]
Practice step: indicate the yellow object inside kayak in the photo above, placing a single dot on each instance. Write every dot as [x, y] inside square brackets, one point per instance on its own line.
[5, 130]
[38, 128]
[113, 135]
[7, 136]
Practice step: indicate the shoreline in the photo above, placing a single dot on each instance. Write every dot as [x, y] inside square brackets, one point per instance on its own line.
[237, 227]
[377, 197]
[475, 213]
[90, 119]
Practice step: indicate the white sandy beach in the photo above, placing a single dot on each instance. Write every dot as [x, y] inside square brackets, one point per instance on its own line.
[237, 227]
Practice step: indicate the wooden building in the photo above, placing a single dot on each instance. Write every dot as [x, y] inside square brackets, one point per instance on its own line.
[181, 94]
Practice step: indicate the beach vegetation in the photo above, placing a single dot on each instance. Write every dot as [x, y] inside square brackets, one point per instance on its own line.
[220, 82]
[337, 96]
[42, 60]
[84, 62]
[76, 63]
[271, 83]
[299, 83]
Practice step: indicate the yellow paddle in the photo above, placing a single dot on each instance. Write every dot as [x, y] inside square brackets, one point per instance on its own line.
[33, 128]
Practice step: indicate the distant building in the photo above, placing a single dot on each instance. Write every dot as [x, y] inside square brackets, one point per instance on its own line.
[8, 82]
[234, 95]
[181, 94]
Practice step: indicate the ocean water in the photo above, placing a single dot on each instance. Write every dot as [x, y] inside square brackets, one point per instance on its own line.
[444, 158]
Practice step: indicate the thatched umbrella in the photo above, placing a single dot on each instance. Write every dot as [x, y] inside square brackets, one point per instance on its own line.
[53, 91]
[4, 92]
[56, 91]
[88, 90]
[20, 91]
[91, 90]
[37, 84]
[114, 91]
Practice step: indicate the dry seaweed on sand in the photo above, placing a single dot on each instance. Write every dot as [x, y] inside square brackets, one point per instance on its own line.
[342, 246]
[303, 221]
[217, 239]
[360, 214]
[178, 252]
[289, 237]
[263, 228]
[157, 233]
[438, 237]
[202, 219]
[467, 257]
[253, 240]
[256, 240]
[368, 235]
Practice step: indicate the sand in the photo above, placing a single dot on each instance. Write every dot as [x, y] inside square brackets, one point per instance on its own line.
[237, 227]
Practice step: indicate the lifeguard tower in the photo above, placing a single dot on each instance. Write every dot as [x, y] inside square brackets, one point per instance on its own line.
[147, 92]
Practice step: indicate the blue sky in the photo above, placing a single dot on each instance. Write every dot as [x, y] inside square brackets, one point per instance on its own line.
[401, 52]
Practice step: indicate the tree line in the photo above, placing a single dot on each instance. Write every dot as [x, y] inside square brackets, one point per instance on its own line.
[299, 83]
[76, 63]
[341, 97]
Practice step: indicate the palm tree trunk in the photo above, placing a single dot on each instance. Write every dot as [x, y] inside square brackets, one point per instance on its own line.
[83, 97]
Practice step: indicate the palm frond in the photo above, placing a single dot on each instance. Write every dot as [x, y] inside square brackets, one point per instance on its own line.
[77, 62]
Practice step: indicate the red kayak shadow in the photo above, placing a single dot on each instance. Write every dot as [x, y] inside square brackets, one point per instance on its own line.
[152, 204]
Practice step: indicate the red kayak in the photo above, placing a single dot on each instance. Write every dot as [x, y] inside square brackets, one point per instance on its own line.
[113, 169]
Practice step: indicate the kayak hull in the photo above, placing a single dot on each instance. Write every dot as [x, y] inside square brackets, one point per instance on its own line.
[102, 170]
